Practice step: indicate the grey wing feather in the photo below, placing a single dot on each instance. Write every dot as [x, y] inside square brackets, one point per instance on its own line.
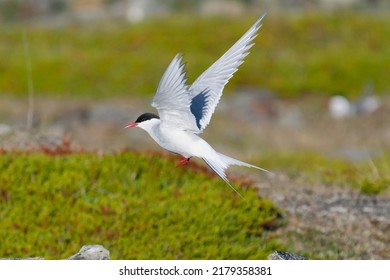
[214, 79]
[172, 99]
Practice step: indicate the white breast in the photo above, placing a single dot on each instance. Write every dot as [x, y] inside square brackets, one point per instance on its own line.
[182, 142]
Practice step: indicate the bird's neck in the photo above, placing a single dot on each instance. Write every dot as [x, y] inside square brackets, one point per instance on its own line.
[152, 127]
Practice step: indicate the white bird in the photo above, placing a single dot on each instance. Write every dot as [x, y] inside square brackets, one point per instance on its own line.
[340, 107]
[185, 111]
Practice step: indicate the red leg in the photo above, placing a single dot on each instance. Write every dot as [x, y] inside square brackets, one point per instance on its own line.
[184, 161]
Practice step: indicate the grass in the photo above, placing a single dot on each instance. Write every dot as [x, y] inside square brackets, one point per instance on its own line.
[136, 205]
[139, 207]
[294, 54]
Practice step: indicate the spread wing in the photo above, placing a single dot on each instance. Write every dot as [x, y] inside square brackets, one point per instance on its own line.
[206, 91]
[191, 108]
[172, 99]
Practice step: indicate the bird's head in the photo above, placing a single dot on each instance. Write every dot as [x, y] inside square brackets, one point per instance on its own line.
[146, 121]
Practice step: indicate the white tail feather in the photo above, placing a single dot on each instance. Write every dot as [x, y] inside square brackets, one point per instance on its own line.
[231, 161]
[219, 167]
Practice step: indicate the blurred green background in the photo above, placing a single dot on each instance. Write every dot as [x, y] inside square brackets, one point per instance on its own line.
[295, 54]
[74, 72]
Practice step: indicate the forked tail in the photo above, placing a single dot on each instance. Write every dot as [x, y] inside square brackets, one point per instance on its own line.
[220, 164]
[231, 161]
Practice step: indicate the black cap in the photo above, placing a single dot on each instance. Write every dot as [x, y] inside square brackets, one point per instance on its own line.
[146, 117]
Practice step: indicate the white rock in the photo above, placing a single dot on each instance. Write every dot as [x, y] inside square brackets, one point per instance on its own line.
[91, 252]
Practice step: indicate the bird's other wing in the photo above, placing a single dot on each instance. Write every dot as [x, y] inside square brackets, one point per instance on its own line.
[172, 99]
[206, 91]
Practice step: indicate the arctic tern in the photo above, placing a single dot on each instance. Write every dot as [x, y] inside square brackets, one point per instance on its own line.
[185, 111]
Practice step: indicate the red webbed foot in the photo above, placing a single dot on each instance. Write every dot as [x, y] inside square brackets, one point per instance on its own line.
[184, 161]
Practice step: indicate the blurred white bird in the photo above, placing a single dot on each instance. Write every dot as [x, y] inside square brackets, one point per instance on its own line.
[368, 102]
[185, 111]
[341, 107]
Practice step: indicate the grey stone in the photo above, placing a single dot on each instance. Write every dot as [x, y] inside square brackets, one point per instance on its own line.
[91, 252]
[87, 252]
[279, 255]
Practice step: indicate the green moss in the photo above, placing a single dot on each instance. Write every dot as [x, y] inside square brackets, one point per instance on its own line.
[293, 55]
[138, 206]
[374, 186]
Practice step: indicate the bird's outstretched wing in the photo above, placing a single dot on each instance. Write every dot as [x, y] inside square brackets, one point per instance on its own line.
[191, 108]
[172, 99]
[206, 91]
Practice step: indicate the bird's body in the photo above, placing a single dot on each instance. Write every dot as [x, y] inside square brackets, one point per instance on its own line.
[176, 141]
[185, 111]
[184, 143]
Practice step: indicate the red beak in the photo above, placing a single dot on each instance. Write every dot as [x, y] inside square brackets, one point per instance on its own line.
[131, 125]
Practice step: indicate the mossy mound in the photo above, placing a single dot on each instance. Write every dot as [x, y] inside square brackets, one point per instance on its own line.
[139, 206]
